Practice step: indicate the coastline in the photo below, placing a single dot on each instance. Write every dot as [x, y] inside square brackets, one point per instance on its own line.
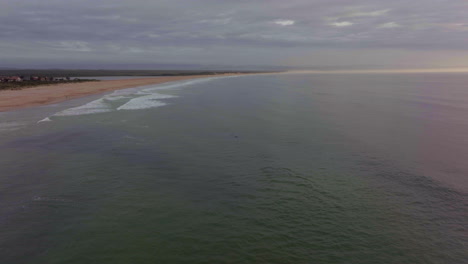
[50, 94]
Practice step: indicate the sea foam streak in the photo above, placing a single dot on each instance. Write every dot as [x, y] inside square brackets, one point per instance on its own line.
[8, 126]
[131, 99]
[97, 106]
[47, 119]
[178, 84]
[144, 102]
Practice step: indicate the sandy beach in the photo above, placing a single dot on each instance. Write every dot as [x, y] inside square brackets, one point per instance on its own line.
[49, 94]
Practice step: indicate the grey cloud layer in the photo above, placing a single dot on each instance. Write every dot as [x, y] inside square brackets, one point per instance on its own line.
[164, 29]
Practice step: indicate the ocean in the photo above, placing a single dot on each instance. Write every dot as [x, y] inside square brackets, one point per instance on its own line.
[279, 168]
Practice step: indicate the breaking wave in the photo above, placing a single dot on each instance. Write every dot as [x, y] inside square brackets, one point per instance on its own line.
[9, 126]
[130, 99]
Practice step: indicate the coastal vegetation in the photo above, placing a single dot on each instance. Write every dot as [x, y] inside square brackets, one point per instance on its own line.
[28, 84]
[91, 73]
[46, 75]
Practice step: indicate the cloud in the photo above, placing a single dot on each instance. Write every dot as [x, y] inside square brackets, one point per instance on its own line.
[389, 25]
[341, 24]
[220, 21]
[359, 14]
[135, 50]
[210, 31]
[455, 26]
[368, 14]
[80, 46]
[284, 22]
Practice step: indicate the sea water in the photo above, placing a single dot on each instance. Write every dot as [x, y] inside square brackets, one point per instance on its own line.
[280, 168]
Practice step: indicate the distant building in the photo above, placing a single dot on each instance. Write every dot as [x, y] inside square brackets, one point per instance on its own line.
[10, 79]
[32, 78]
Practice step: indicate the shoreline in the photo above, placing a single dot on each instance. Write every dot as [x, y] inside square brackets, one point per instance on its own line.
[49, 94]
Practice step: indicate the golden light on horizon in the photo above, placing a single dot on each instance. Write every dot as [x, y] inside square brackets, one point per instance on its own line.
[435, 70]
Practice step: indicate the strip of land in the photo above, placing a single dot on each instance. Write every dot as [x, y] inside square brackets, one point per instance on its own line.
[50, 94]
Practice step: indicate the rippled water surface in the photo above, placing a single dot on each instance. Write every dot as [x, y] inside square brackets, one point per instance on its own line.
[253, 169]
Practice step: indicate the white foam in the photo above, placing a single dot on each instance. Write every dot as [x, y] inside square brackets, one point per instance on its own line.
[145, 102]
[141, 103]
[157, 96]
[8, 126]
[97, 106]
[138, 98]
[47, 119]
[177, 84]
[123, 92]
[115, 98]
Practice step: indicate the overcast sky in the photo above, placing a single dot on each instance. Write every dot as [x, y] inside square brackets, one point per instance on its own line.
[346, 33]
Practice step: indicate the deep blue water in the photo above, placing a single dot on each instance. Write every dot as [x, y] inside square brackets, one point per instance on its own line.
[289, 168]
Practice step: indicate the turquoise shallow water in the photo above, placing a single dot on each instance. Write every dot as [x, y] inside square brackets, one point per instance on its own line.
[254, 169]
